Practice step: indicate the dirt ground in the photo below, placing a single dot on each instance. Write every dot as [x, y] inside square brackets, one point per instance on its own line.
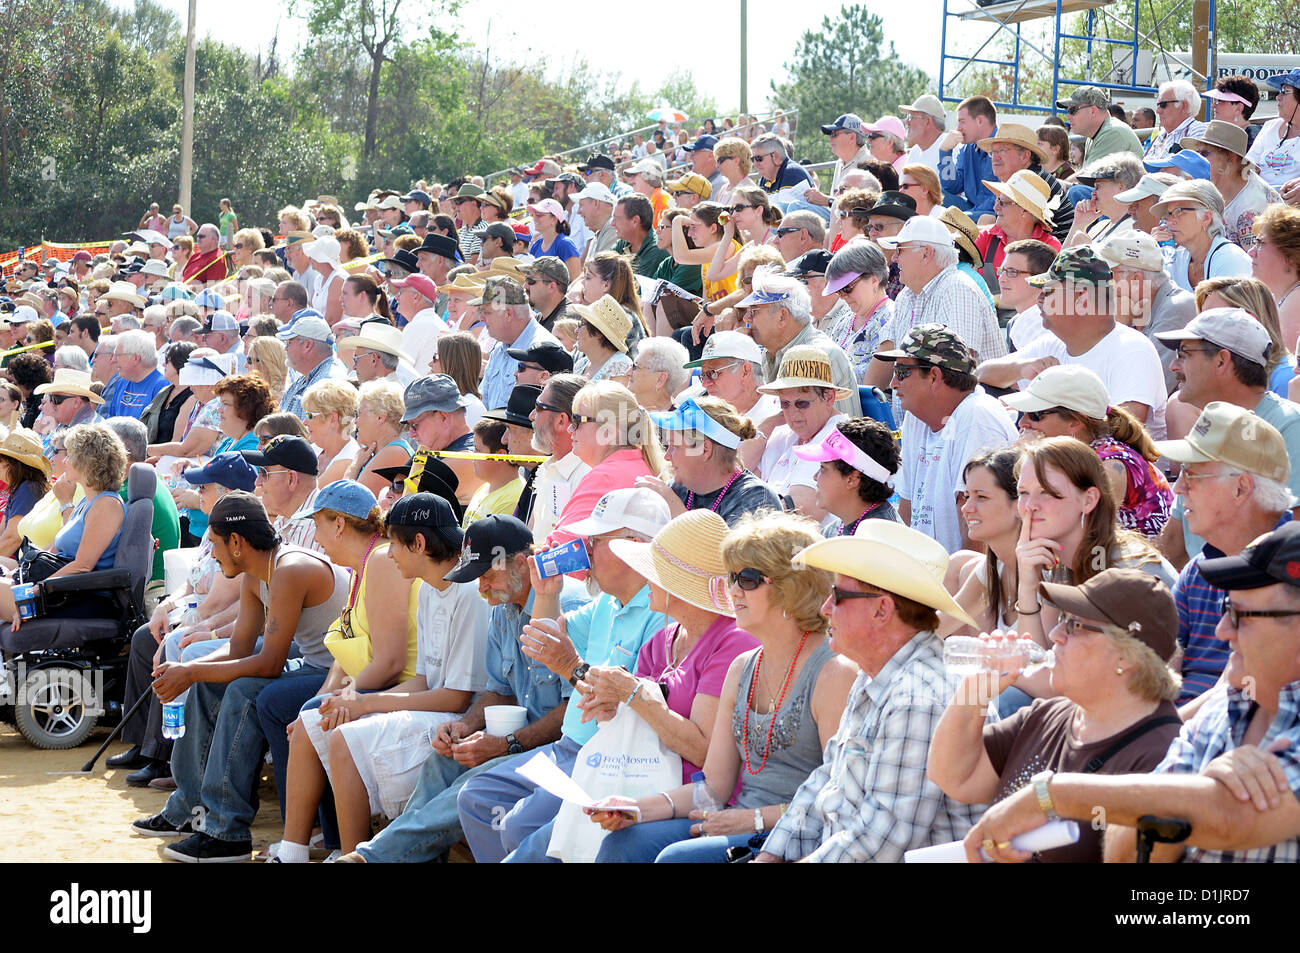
[48, 818]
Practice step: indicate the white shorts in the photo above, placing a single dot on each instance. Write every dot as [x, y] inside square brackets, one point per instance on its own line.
[388, 749]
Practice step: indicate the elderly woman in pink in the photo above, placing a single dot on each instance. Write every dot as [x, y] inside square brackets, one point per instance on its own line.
[887, 140]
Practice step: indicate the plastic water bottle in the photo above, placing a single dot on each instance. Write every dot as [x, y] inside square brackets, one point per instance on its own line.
[173, 719]
[702, 799]
[966, 655]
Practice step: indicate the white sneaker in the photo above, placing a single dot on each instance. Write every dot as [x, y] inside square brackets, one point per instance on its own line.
[333, 857]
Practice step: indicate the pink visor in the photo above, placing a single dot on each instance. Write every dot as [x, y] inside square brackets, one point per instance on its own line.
[839, 447]
[833, 285]
[1225, 97]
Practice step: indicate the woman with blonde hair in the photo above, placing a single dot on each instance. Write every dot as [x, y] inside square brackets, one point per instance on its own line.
[922, 184]
[460, 358]
[609, 273]
[1275, 260]
[1253, 296]
[379, 434]
[614, 436]
[268, 359]
[851, 213]
[245, 242]
[330, 410]
[779, 706]
[735, 162]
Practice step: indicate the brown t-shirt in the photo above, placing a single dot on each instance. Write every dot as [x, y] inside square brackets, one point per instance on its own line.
[1038, 738]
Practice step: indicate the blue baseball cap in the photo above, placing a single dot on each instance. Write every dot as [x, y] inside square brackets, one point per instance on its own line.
[1291, 79]
[228, 469]
[1193, 163]
[345, 496]
[418, 195]
[848, 121]
[207, 298]
[704, 142]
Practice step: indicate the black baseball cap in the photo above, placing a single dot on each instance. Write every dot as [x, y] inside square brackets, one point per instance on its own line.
[597, 161]
[1273, 558]
[549, 355]
[520, 404]
[285, 450]
[241, 512]
[427, 512]
[813, 263]
[487, 542]
[404, 258]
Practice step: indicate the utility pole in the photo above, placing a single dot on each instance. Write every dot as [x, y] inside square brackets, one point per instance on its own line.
[1203, 41]
[744, 57]
[187, 116]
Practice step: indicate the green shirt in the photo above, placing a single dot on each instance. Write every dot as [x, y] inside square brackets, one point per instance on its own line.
[166, 527]
[648, 256]
[226, 224]
[1113, 136]
[686, 277]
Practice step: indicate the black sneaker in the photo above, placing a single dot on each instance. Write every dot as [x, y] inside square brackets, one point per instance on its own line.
[159, 826]
[130, 759]
[202, 849]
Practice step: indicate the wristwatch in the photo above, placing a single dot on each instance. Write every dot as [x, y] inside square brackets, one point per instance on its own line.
[1039, 781]
[512, 744]
[579, 673]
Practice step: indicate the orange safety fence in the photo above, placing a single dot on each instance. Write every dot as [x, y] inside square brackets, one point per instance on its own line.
[38, 253]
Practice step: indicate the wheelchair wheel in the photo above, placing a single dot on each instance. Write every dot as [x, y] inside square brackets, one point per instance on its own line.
[53, 708]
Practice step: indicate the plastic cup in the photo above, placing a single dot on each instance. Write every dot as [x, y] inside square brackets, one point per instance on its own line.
[504, 719]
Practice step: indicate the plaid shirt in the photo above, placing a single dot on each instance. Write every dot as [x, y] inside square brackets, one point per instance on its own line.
[870, 800]
[953, 300]
[1220, 726]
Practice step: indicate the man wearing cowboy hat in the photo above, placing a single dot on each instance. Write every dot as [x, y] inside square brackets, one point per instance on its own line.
[71, 401]
[1014, 148]
[871, 800]
[608, 631]
[512, 325]
[1089, 110]
[375, 354]
[122, 298]
[949, 420]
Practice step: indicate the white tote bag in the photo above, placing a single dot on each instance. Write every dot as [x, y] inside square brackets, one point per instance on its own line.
[626, 757]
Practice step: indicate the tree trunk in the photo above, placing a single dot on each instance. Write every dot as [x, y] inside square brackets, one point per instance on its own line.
[372, 101]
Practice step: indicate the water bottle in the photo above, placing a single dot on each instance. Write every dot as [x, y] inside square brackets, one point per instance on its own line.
[173, 719]
[702, 799]
[966, 655]
[1168, 242]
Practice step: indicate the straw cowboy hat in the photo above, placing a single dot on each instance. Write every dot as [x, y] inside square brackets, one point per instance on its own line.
[375, 337]
[503, 265]
[804, 366]
[25, 447]
[1017, 135]
[608, 317]
[123, 291]
[892, 557]
[1029, 192]
[71, 382]
[464, 284]
[964, 231]
[685, 558]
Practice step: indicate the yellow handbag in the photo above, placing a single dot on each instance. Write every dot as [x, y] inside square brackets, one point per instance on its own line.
[352, 652]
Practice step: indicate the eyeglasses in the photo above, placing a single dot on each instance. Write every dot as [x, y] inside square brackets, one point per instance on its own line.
[1184, 350]
[842, 595]
[789, 230]
[796, 404]
[1166, 102]
[717, 372]
[747, 579]
[530, 367]
[1037, 415]
[848, 289]
[1181, 210]
[1185, 474]
[1012, 273]
[577, 420]
[1235, 615]
[1076, 626]
[265, 473]
[878, 228]
[904, 371]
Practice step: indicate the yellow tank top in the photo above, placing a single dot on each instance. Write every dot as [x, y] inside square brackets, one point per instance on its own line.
[361, 617]
[43, 521]
[716, 290]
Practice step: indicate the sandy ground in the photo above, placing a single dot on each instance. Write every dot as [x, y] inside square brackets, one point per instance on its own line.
[49, 818]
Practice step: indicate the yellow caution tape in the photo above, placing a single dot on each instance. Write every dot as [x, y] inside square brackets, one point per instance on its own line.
[498, 457]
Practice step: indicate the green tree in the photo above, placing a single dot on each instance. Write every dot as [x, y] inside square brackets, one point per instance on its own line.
[845, 66]
[148, 25]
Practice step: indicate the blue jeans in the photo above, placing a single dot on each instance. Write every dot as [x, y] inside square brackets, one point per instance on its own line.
[642, 843]
[501, 810]
[707, 850]
[217, 762]
[430, 824]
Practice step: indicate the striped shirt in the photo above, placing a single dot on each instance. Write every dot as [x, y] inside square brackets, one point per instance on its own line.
[1219, 727]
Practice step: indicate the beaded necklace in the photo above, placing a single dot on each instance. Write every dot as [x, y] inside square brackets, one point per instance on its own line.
[852, 527]
[844, 341]
[690, 494]
[772, 710]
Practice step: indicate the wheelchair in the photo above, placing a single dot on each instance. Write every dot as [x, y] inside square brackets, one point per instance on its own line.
[64, 676]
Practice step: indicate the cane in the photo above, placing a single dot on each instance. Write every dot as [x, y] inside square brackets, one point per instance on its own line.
[89, 766]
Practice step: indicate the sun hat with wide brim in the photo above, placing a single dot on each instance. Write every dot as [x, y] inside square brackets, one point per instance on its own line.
[25, 447]
[1014, 134]
[124, 291]
[964, 230]
[375, 337]
[1028, 191]
[608, 317]
[71, 382]
[805, 366]
[1221, 135]
[892, 557]
[464, 284]
[684, 558]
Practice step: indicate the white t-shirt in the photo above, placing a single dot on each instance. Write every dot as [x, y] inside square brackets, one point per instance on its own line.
[553, 486]
[1278, 161]
[451, 639]
[420, 338]
[933, 460]
[766, 407]
[1255, 196]
[1127, 363]
[918, 156]
[1026, 327]
[780, 469]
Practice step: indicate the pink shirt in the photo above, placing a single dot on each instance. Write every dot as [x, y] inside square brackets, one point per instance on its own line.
[702, 672]
[618, 471]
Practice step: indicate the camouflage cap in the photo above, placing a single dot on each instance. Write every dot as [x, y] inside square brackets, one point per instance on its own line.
[1086, 96]
[934, 344]
[1079, 263]
[500, 289]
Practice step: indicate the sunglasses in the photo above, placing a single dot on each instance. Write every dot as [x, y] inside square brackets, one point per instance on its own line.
[1075, 626]
[543, 406]
[577, 420]
[859, 210]
[796, 404]
[740, 208]
[848, 289]
[1235, 615]
[56, 399]
[842, 595]
[904, 371]
[1166, 102]
[789, 230]
[1037, 415]
[530, 367]
[747, 579]
[717, 372]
